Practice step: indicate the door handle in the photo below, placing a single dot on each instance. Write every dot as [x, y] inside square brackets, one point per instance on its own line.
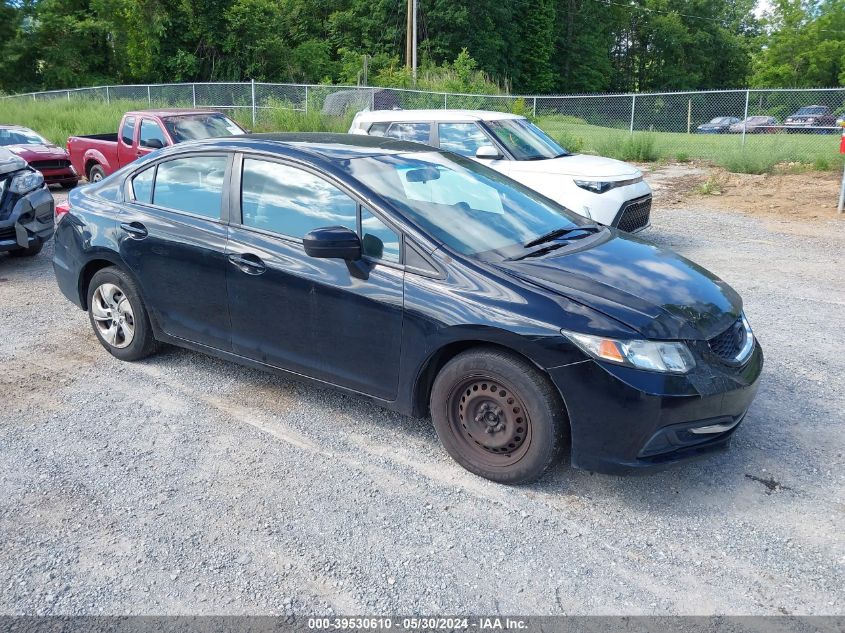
[249, 263]
[135, 229]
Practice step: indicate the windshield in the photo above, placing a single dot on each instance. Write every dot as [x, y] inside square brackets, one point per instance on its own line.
[525, 140]
[811, 110]
[467, 206]
[191, 127]
[721, 119]
[21, 136]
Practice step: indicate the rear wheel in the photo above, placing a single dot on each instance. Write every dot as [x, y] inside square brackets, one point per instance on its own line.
[32, 250]
[96, 173]
[118, 315]
[498, 416]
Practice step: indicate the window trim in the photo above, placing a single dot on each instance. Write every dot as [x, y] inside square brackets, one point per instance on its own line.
[236, 216]
[223, 218]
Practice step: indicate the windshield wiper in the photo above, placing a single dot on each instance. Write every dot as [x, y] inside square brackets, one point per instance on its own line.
[556, 233]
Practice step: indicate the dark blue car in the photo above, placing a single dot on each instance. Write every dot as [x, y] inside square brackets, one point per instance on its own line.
[424, 281]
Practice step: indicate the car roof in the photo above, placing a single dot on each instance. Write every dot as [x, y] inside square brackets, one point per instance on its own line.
[13, 126]
[330, 146]
[435, 115]
[166, 112]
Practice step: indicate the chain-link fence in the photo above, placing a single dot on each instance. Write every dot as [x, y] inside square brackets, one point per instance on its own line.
[790, 124]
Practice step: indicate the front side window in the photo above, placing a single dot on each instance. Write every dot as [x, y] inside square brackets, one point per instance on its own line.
[469, 207]
[377, 239]
[461, 138]
[127, 132]
[142, 185]
[416, 132]
[290, 201]
[525, 140]
[378, 129]
[150, 133]
[191, 127]
[193, 185]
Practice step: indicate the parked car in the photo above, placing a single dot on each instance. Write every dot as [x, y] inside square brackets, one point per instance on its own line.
[141, 132]
[606, 190]
[718, 125]
[811, 118]
[26, 207]
[51, 160]
[423, 280]
[756, 125]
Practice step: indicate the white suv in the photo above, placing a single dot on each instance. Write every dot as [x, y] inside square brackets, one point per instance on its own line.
[606, 190]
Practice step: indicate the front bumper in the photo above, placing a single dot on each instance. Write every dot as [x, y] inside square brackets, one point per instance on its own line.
[626, 420]
[62, 176]
[26, 220]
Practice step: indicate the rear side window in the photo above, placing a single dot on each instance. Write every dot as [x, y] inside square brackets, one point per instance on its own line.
[193, 185]
[127, 132]
[378, 129]
[417, 132]
[142, 186]
[461, 138]
[291, 201]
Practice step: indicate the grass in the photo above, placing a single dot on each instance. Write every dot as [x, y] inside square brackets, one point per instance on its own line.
[59, 118]
[710, 187]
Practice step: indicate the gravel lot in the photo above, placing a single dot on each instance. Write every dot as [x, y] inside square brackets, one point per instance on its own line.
[183, 484]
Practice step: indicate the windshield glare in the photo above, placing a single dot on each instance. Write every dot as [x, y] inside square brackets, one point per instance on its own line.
[524, 139]
[469, 207]
[192, 127]
[20, 137]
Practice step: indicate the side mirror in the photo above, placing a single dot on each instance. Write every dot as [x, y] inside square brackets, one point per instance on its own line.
[333, 242]
[488, 152]
[152, 143]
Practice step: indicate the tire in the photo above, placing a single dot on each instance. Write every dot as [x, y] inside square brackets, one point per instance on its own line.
[69, 185]
[498, 416]
[96, 173]
[113, 292]
[30, 251]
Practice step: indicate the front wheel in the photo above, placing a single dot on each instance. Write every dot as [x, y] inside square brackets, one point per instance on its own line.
[118, 315]
[498, 416]
[96, 173]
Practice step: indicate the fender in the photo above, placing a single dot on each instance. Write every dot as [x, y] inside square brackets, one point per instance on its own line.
[94, 155]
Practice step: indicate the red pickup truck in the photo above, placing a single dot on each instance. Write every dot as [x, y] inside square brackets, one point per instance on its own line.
[98, 155]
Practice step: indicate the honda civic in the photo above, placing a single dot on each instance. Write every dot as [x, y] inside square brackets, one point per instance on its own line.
[424, 281]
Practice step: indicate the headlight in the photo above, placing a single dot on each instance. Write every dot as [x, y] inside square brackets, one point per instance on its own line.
[595, 186]
[663, 356]
[26, 181]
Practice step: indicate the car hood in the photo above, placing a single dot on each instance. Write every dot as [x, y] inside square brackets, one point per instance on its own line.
[577, 165]
[38, 152]
[653, 290]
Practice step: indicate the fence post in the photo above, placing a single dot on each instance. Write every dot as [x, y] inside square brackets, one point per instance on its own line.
[194, 94]
[68, 95]
[745, 116]
[445, 102]
[149, 96]
[633, 106]
[372, 99]
[252, 84]
[534, 108]
[108, 97]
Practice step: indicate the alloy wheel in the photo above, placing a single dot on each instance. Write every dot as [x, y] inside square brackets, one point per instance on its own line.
[113, 315]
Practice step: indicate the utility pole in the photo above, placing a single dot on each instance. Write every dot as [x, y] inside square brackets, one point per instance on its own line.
[411, 38]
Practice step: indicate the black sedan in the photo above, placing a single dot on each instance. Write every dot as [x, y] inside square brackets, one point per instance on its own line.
[424, 281]
[26, 207]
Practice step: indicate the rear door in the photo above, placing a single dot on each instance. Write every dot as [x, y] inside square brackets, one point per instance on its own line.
[175, 243]
[312, 316]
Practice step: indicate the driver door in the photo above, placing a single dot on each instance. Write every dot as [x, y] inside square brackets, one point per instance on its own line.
[465, 139]
[150, 137]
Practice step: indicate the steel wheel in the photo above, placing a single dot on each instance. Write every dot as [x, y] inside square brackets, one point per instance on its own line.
[490, 420]
[113, 315]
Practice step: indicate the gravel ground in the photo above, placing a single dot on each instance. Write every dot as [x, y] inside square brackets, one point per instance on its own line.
[183, 484]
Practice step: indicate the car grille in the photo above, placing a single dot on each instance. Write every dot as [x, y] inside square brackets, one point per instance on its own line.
[8, 233]
[728, 344]
[634, 214]
[49, 164]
